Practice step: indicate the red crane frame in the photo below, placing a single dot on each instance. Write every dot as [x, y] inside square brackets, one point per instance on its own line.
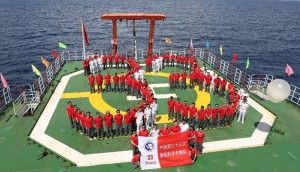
[133, 16]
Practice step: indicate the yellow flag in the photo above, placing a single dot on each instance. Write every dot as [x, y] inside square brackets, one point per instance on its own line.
[34, 69]
[221, 50]
[45, 62]
[168, 41]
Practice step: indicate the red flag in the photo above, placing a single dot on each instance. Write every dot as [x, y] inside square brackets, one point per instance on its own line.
[54, 55]
[289, 70]
[5, 85]
[234, 59]
[164, 151]
[86, 40]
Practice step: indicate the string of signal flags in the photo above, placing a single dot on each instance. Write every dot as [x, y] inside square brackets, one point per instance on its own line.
[62, 46]
[85, 40]
[35, 69]
[45, 62]
[288, 68]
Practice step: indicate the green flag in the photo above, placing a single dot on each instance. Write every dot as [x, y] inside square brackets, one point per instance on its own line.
[62, 45]
[35, 70]
[247, 63]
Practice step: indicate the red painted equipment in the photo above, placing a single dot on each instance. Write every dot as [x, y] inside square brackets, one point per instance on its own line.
[133, 16]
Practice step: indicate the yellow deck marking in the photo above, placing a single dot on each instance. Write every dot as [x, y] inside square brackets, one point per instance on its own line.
[98, 102]
[75, 95]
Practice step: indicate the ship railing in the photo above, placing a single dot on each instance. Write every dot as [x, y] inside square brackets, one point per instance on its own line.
[258, 85]
[226, 69]
[3, 104]
[72, 55]
[27, 97]
[261, 81]
[295, 95]
[19, 105]
[5, 98]
[47, 76]
[24, 98]
[257, 82]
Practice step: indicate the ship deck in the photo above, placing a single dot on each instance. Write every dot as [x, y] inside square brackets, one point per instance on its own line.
[281, 151]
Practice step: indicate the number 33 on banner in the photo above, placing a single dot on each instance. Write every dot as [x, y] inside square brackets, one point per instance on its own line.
[150, 157]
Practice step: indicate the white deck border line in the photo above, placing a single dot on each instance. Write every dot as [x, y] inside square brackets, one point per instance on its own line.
[38, 134]
[161, 96]
[158, 96]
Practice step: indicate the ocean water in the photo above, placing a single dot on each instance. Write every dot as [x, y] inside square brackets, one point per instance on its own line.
[267, 32]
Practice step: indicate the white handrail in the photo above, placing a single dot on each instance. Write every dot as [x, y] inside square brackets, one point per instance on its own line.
[219, 64]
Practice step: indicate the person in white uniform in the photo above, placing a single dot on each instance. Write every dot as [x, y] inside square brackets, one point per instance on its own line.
[139, 119]
[96, 57]
[241, 92]
[141, 74]
[184, 126]
[155, 131]
[136, 75]
[100, 63]
[211, 88]
[243, 109]
[92, 66]
[154, 67]
[148, 114]
[154, 106]
[160, 59]
[205, 69]
[245, 94]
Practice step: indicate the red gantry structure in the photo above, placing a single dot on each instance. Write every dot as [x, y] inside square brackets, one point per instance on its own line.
[133, 16]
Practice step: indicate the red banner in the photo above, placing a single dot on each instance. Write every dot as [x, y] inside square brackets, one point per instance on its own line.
[173, 150]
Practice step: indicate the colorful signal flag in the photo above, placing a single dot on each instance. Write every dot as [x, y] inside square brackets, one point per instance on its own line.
[168, 41]
[45, 62]
[247, 63]
[84, 34]
[5, 85]
[288, 70]
[35, 70]
[62, 45]
[221, 50]
[234, 59]
[207, 44]
[54, 54]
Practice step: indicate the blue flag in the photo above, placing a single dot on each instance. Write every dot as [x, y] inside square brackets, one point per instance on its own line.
[207, 44]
